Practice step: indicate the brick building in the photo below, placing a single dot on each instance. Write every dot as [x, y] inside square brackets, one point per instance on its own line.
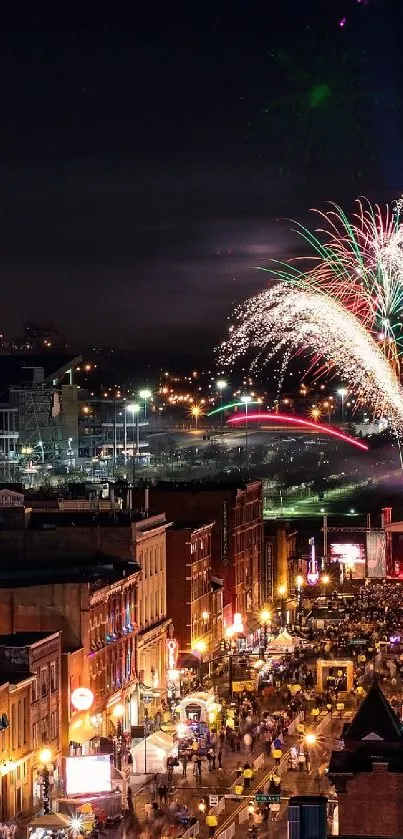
[100, 596]
[16, 754]
[368, 772]
[279, 558]
[237, 537]
[37, 654]
[94, 601]
[189, 572]
[150, 550]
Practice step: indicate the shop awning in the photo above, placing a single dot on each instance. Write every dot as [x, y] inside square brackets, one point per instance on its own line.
[252, 625]
[51, 821]
[82, 734]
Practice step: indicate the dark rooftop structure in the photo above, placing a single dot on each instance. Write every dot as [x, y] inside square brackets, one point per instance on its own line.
[95, 571]
[190, 525]
[375, 735]
[23, 639]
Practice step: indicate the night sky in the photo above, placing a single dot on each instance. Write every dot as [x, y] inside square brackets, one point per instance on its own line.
[151, 154]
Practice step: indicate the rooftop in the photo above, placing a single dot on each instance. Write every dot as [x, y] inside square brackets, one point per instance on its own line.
[198, 486]
[375, 736]
[96, 571]
[23, 639]
[14, 678]
[191, 525]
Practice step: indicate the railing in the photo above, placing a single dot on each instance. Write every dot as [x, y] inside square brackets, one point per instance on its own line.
[244, 814]
[191, 831]
[258, 763]
[219, 808]
[228, 833]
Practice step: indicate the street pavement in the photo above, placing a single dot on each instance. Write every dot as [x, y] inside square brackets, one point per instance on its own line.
[186, 791]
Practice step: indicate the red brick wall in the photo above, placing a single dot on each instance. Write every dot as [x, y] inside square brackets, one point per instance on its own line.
[372, 804]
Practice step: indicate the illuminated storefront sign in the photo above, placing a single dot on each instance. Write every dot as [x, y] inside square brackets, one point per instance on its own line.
[172, 653]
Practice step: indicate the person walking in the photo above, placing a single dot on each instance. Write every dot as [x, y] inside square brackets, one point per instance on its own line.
[247, 739]
[301, 761]
[211, 822]
[247, 775]
[184, 765]
[219, 758]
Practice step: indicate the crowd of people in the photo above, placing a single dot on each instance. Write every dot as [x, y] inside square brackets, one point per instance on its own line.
[367, 632]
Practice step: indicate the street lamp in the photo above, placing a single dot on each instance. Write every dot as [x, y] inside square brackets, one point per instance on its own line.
[299, 581]
[265, 617]
[342, 391]
[221, 384]
[196, 411]
[325, 582]
[201, 647]
[246, 400]
[145, 394]
[118, 713]
[230, 632]
[134, 409]
[282, 590]
[45, 757]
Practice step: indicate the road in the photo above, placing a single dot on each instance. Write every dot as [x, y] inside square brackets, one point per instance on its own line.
[185, 790]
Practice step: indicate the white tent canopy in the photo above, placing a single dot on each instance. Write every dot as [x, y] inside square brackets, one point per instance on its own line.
[283, 642]
[150, 756]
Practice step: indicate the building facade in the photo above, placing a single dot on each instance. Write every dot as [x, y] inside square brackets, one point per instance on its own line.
[189, 572]
[150, 550]
[237, 537]
[32, 661]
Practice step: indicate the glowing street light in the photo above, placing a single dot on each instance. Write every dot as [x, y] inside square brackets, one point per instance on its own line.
[265, 617]
[343, 392]
[282, 590]
[45, 757]
[246, 400]
[310, 738]
[221, 384]
[200, 646]
[145, 394]
[196, 411]
[134, 409]
[325, 582]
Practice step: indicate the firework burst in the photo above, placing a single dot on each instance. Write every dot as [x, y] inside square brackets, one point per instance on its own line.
[342, 305]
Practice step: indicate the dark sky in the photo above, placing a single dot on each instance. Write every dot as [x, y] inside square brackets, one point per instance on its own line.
[140, 187]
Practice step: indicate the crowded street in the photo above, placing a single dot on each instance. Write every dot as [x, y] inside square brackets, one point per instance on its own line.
[237, 766]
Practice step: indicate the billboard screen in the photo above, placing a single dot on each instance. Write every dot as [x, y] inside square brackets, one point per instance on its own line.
[376, 552]
[88, 774]
[351, 556]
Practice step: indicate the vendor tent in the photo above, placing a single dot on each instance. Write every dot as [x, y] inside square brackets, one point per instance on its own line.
[150, 754]
[52, 822]
[282, 642]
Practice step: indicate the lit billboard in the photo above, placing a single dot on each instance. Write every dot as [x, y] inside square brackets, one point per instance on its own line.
[348, 554]
[88, 774]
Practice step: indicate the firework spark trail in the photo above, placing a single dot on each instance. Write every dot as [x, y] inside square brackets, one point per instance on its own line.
[358, 263]
[284, 318]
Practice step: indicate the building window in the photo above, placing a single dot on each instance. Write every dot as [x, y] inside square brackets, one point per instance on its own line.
[19, 723]
[53, 725]
[25, 720]
[53, 680]
[13, 727]
[35, 735]
[44, 682]
[44, 728]
[34, 689]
